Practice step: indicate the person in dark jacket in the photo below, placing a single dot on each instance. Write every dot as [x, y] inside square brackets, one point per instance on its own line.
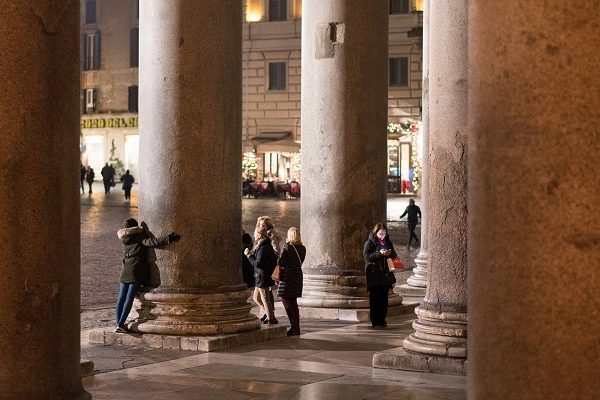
[247, 268]
[378, 248]
[82, 173]
[107, 177]
[263, 259]
[290, 283]
[127, 180]
[135, 269]
[414, 213]
[89, 177]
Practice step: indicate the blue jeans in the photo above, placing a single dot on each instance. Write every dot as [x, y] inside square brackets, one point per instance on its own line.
[127, 292]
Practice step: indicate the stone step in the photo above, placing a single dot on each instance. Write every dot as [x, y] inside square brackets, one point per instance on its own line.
[86, 368]
[107, 336]
[357, 314]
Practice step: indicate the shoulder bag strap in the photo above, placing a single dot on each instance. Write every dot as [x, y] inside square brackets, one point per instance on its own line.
[299, 259]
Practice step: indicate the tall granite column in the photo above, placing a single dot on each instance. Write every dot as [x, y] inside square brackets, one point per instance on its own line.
[439, 343]
[344, 116]
[39, 201]
[419, 277]
[534, 220]
[190, 146]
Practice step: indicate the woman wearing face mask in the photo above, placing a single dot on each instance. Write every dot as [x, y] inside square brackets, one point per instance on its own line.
[378, 248]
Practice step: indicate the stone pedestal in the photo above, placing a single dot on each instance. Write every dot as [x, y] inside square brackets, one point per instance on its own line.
[441, 327]
[39, 201]
[344, 118]
[190, 146]
[534, 236]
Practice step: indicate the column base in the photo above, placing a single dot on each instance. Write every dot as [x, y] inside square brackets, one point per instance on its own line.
[86, 368]
[419, 276]
[355, 314]
[407, 361]
[169, 312]
[107, 336]
[438, 333]
[410, 294]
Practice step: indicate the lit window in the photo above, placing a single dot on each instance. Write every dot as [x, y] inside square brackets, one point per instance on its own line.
[89, 101]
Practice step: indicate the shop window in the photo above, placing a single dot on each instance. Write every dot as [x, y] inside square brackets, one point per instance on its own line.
[134, 47]
[91, 51]
[277, 10]
[89, 101]
[90, 12]
[277, 75]
[399, 71]
[133, 99]
[399, 7]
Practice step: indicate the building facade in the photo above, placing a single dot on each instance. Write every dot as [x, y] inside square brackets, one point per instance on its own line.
[271, 127]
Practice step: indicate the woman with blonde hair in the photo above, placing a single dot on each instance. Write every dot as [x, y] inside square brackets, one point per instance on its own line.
[263, 259]
[266, 222]
[290, 283]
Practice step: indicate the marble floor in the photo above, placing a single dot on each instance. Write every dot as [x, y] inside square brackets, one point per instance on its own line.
[330, 360]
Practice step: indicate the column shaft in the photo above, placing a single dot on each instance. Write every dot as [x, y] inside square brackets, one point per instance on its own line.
[441, 327]
[534, 223]
[419, 277]
[190, 147]
[344, 116]
[39, 201]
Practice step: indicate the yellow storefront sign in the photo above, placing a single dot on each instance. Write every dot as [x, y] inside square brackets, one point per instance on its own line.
[92, 123]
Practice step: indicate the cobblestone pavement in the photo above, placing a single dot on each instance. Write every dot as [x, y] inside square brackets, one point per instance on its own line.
[102, 215]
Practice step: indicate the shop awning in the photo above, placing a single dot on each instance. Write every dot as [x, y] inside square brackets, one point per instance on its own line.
[279, 146]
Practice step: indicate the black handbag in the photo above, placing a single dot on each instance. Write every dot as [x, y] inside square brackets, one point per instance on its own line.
[389, 278]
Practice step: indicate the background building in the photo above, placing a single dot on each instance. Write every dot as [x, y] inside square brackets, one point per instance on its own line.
[271, 86]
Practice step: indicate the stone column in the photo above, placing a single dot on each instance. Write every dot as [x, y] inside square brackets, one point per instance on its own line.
[39, 201]
[344, 116]
[190, 146]
[534, 225]
[439, 341]
[417, 282]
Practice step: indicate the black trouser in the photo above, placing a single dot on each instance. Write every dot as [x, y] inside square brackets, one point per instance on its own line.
[107, 185]
[411, 230]
[127, 193]
[378, 304]
[291, 308]
[90, 183]
[82, 188]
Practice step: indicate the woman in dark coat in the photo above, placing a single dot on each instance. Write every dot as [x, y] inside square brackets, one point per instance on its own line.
[378, 248]
[89, 177]
[290, 283]
[247, 268]
[135, 265]
[263, 259]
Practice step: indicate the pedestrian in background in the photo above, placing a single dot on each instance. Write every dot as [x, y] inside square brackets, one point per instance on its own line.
[414, 213]
[290, 281]
[378, 248]
[82, 173]
[107, 177]
[263, 259]
[89, 177]
[135, 270]
[127, 180]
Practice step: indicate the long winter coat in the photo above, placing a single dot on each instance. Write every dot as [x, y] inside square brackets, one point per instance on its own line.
[263, 259]
[135, 246]
[290, 284]
[375, 264]
[247, 268]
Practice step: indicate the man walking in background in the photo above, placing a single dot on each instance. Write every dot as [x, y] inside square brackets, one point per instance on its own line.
[414, 213]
